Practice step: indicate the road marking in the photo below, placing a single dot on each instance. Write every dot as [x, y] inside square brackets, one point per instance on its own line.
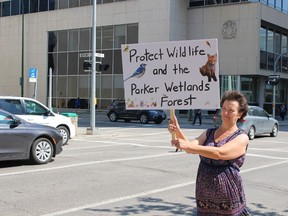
[267, 156]
[133, 196]
[90, 163]
[270, 150]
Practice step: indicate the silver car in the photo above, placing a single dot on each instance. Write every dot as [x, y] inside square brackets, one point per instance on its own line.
[257, 122]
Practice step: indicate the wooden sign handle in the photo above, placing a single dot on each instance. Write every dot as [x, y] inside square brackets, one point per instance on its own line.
[172, 115]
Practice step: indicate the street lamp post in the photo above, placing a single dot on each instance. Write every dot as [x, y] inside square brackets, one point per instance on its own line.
[274, 88]
[91, 130]
[22, 51]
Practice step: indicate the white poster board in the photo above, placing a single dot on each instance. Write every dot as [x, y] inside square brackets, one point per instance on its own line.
[171, 75]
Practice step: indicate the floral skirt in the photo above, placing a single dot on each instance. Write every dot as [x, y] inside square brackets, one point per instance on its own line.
[219, 191]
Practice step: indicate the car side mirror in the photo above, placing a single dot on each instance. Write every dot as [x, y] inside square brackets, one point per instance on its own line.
[15, 123]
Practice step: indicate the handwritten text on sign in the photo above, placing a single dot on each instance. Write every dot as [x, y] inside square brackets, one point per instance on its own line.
[178, 75]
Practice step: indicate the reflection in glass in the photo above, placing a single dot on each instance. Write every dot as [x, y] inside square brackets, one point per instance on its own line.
[132, 33]
[71, 89]
[43, 5]
[62, 67]
[15, 7]
[6, 8]
[33, 6]
[63, 4]
[73, 3]
[62, 40]
[119, 35]
[73, 40]
[107, 37]
[73, 63]
[84, 39]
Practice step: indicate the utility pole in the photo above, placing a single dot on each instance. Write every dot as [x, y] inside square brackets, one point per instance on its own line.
[22, 52]
[91, 130]
[274, 88]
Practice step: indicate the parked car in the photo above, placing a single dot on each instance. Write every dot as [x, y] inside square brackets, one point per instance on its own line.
[84, 103]
[35, 112]
[257, 122]
[117, 110]
[21, 140]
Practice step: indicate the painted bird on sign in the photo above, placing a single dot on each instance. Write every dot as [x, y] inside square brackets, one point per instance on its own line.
[139, 72]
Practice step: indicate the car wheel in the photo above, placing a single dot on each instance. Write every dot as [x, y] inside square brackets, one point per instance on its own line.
[42, 151]
[113, 117]
[64, 133]
[274, 132]
[144, 118]
[251, 133]
[127, 120]
[158, 120]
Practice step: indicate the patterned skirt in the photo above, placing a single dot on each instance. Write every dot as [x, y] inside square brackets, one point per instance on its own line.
[219, 191]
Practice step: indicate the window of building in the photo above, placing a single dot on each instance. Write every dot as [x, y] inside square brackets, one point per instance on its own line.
[73, 3]
[33, 6]
[53, 4]
[85, 2]
[132, 33]
[107, 37]
[84, 41]
[65, 48]
[263, 39]
[15, 7]
[249, 88]
[43, 5]
[25, 5]
[119, 35]
[62, 40]
[285, 6]
[6, 8]
[73, 42]
[63, 4]
[272, 44]
[277, 43]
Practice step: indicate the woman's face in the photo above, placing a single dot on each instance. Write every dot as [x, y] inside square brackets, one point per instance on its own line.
[230, 111]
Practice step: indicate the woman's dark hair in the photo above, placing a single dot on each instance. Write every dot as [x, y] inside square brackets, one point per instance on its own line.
[240, 98]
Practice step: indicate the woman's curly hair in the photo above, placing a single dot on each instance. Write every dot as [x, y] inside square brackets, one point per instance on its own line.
[240, 98]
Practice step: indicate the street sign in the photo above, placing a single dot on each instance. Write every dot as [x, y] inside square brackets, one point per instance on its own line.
[274, 76]
[273, 79]
[33, 75]
[88, 55]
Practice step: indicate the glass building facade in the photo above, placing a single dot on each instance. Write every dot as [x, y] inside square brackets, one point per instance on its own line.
[280, 5]
[14, 7]
[70, 81]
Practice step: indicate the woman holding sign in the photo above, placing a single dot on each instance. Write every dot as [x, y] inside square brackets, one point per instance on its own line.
[219, 188]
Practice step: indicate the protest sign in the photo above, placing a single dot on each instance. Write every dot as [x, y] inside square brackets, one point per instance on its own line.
[171, 75]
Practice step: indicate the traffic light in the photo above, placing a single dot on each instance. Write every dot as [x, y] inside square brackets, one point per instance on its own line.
[87, 65]
[103, 67]
[273, 80]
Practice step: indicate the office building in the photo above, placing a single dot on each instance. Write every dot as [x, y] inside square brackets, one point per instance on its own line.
[45, 34]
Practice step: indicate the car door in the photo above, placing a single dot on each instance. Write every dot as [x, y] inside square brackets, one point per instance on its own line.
[121, 109]
[36, 113]
[13, 139]
[267, 123]
[255, 119]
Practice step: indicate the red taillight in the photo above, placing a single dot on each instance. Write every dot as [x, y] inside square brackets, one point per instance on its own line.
[243, 120]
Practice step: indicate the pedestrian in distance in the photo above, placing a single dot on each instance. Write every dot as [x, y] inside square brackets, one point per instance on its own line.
[219, 186]
[197, 114]
[283, 111]
[77, 104]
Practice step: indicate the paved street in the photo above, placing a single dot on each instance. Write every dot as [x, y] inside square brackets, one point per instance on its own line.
[131, 169]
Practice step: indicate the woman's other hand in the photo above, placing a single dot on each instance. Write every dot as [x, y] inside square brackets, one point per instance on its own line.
[173, 125]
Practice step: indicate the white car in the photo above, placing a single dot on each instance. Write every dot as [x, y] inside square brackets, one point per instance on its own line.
[35, 112]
